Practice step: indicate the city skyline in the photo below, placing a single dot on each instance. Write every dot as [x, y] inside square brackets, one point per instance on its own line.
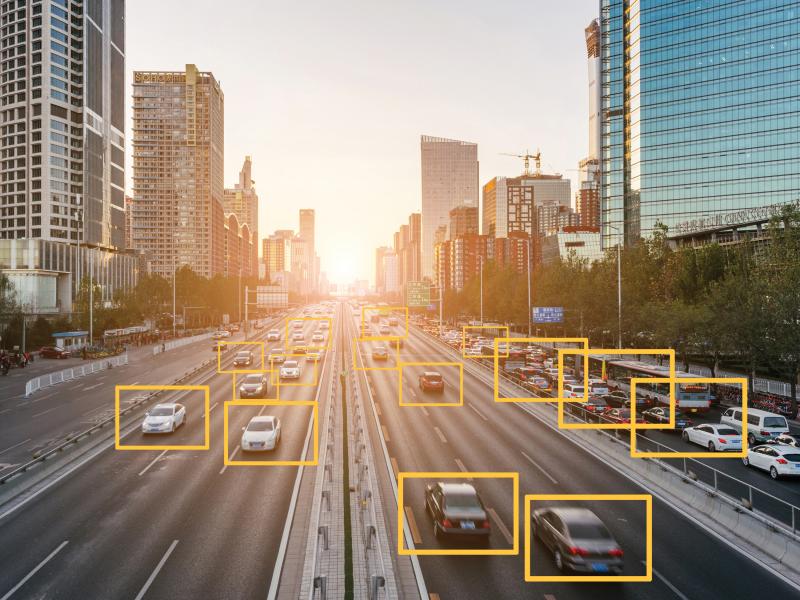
[366, 136]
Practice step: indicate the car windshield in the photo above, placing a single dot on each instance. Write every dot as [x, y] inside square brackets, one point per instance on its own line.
[290, 364]
[260, 426]
[727, 431]
[588, 531]
[792, 457]
[774, 422]
[253, 379]
[459, 500]
[625, 414]
[243, 354]
[161, 411]
[433, 377]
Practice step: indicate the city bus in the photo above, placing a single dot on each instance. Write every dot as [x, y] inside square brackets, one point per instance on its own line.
[691, 397]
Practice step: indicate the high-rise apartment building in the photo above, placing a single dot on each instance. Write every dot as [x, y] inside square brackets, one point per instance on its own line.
[178, 170]
[700, 112]
[510, 203]
[242, 201]
[449, 179]
[380, 269]
[62, 147]
[463, 220]
[276, 252]
[307, 233]
[592, 36]
[458, 260]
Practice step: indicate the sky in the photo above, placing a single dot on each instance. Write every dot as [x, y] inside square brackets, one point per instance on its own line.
[330, 98]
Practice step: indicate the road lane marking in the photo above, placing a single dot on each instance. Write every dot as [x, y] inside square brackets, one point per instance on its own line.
[479, 413]
[213, 406]
[385, 434]
[154, 574]
[45, 397]
[535, 464]
[378, 410]
[425, 411]
[44, 412]
[501, 526]
[395, 468]
[154, 461]
[91, 387]
[440, 434]
[463, 468]
[5, 410]
[24, 580]
[664, 580]
[230, 458]
[14, 446]
[412, 524]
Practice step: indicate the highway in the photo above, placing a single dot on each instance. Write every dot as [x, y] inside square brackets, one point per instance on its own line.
[486, 436]
[175, 524]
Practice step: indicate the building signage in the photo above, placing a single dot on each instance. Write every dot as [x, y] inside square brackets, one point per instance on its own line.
[140, 77]
[548, 314]
[418, 294]
[736, 217]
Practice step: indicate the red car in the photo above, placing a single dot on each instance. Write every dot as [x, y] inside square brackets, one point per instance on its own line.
[53, 352]
[431, 381]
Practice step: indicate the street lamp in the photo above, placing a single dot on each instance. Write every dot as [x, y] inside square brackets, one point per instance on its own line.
[480, 257]
[530, 316]
[619, 285]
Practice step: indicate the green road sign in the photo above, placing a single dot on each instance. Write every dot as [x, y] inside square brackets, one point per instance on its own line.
[418, 294]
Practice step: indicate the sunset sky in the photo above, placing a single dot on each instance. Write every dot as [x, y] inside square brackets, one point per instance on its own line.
[330, 98]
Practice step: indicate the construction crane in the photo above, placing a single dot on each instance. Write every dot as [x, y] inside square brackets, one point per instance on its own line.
[527, 158]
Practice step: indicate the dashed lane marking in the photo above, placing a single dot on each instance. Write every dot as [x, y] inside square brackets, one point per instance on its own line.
[155, 572]
[154, 461]
[91, 387]
[501, 526]
[412, 525]
[440, 434]
[463, 468]
[33, 571]
[385, 433]
[479, 413]
[14, 446]
[666, 582]
[535, 464]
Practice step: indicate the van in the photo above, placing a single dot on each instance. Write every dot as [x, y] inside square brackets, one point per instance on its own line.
[761, 425]
[572, 390]
[598, 387]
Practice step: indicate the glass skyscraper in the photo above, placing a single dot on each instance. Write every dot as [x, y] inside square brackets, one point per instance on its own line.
[700, 111]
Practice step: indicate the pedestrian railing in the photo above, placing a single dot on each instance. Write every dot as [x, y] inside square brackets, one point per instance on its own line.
[43, 381]
[177, 343]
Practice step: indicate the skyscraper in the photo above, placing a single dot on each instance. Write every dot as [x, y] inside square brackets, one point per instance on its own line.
[510, 203]
[242, 201]
[700, 120]
[62, 150]
[449, 179]
[178, 170]
[307, 233]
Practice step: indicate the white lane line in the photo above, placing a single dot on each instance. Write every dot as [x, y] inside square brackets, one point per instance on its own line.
[425, 411]
[440, 434]
[211, 408]
[535, 464]
[666, 582]
[14, 446]
[463, 468]
[230, 458]
[479, 413]
[45, 397]
[91, 387]
[501, 526]
[24, 580]
[5, 410]
[153, 575]
[44, 412]
[154, 461]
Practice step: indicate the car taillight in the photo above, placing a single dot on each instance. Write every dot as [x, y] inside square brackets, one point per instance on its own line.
[486, 525]
[723, 441]
[764, 433]
[615, 552]
[577, 551]
[782, 461]
[447, 523]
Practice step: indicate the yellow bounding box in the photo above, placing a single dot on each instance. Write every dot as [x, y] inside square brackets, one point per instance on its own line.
[434, 475]
[742, 381]
[646, 498]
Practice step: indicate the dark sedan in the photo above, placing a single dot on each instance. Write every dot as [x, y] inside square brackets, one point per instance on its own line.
[660, 414]
[456, 508]
[431, 381]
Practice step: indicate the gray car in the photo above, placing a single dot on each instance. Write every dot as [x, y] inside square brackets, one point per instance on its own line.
[578, 539]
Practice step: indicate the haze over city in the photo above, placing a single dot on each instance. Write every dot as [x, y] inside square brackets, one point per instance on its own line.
[336, 96]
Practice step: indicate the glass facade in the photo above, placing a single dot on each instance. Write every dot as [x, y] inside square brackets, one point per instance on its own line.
[701, 110]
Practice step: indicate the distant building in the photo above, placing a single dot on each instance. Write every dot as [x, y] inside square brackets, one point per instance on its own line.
[513, 251]
[178, 170]
[239, 248]
[380, 268]
[242, 201]
[391, 280]
[510, 203]
[583, 243]
[459, 260]
[463, 220]
[449, 179]
[276, 252]
[553, 218]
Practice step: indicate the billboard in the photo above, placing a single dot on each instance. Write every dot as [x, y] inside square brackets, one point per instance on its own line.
[272, 296]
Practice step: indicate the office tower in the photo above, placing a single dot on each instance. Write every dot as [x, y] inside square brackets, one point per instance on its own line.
[449, 179]
[380, 269]
[307, 233]
[458, 260]
[277, 252]
[242, 201]
[510, 203]
[178, 170]
[463, 220]
[390, 274]
[62, 150]
[701, 119]
[587, 198]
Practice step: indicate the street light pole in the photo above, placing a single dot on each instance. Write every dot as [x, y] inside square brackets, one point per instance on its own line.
[174, 276]
[91, 299]
[530, 317]
[619, 284]
[481, 263]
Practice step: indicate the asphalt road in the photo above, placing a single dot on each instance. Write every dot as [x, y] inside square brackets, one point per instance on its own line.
[160, 524]
[486, 436]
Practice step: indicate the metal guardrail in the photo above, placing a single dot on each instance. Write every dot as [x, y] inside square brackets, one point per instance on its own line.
[48, 379]
[779, 512]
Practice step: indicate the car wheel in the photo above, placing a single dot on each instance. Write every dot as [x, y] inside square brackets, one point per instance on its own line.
[746, 461]
[773, 472]
[711, 447]
[559, 560]
[685, 436]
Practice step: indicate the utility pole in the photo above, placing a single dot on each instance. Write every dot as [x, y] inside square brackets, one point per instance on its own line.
[530, 316]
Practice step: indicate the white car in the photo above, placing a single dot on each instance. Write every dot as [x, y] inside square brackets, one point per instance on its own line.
[297, 325]
[262, 433]
[164, 418]
[324, 325]
[318, 337]
[298, 337]
[775, 458]
[598, 387]
[714, 436]
[290, 370]
[573, 390]
[273, 335]
[385, 330]
[218, 335]
[276, 356]
[314, 355]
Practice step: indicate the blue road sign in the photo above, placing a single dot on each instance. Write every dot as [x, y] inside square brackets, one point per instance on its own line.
[548, 314]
